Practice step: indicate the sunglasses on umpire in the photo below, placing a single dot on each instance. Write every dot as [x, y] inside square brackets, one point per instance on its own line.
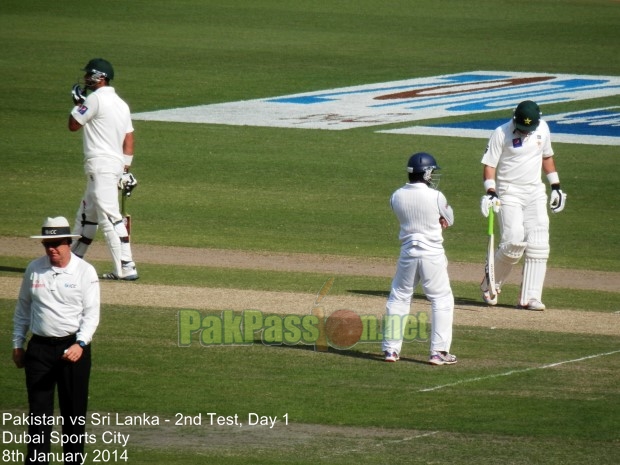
[54, 244]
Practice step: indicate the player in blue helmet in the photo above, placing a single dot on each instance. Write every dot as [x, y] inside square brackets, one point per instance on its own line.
[423, 213]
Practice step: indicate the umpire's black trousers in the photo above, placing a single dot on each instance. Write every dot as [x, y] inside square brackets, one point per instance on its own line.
[45, 370]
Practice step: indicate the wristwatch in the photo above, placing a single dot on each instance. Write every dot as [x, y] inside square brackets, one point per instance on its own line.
[82, 344]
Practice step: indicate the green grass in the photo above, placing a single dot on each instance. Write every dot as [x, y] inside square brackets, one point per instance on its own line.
[311, 283]
[286, 190]
[294, 190]
[501, 393]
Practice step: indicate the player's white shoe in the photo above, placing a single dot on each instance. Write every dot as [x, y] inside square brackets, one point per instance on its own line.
[114, 277]
[535, 305]
[129, 273]
[442, 358]
[391, 356]
[486, 295]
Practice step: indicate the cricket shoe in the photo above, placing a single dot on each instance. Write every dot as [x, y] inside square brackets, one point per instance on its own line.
[486, 295]
[129, 273]
[534, 305]
[391, 356]
[442, 358]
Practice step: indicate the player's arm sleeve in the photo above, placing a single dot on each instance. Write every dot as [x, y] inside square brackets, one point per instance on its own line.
[91, 302]
[128, 141]
[445, 210]
[494, 148]
[82, 114]
[23, 312]
[392, 200]
[129, 127]
[547, 150]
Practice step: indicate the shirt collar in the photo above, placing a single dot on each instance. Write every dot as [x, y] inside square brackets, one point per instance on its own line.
[69, 269]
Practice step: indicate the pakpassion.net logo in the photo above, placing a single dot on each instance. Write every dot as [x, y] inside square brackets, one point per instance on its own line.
[341, 329]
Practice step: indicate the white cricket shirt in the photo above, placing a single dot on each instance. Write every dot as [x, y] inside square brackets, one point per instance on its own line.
[418, 209]
[518, 158]
[106, 120]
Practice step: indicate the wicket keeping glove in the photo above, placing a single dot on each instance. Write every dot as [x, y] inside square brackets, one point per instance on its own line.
[78, 94]
[127, 183]
[557, 199]
[488, 201]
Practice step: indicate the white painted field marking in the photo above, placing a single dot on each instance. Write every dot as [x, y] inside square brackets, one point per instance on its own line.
[396, 101]
[395, 441]
[485, 134]
[596, 126]
[514, 372]
[411, 438]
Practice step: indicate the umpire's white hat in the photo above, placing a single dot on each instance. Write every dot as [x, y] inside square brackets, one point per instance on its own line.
[56, 228]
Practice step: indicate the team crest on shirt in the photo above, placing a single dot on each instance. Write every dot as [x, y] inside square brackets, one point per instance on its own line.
[517, 142]
[83, 109]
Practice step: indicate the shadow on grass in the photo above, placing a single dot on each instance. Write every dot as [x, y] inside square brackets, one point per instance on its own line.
[12, 269]
[481, 306]
[373, 356]
[457, 300]
[384, 294]
[377, 357]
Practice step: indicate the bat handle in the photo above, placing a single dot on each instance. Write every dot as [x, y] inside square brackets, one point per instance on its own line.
[491, 225]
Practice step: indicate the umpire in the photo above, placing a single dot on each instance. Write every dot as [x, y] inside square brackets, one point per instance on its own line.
[58, 303]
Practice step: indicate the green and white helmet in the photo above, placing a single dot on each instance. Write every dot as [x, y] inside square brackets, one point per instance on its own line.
[98, 69]
[527, 116]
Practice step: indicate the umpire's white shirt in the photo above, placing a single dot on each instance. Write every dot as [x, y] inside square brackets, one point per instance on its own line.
[418, 209]
[57, 302]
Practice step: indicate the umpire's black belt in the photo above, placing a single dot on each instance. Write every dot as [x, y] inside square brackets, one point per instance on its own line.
[53, 340]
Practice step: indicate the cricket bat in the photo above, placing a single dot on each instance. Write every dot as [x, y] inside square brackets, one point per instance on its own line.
[126, 216]
[489, 269]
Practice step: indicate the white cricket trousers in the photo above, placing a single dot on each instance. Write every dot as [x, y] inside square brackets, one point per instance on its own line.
[100, 201]
[415, 267]
[523, 216]
[100, 207]
[523, 219]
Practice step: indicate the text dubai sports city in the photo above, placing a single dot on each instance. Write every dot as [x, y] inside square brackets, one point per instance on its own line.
[234, 328]
[55, 437]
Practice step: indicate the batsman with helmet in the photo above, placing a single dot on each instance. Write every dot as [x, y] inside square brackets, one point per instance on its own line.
[108, 153]
[515, 155]
[423, 212]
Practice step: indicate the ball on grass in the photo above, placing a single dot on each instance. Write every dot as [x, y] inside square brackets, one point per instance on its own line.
[343, 328]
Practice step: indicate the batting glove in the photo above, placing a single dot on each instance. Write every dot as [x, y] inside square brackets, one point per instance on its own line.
[557, 199]
[488, 201]
[127, 183]
[78, 94]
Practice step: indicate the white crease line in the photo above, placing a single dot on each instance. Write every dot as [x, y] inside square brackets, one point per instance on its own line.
[513, 372]
[410, 438]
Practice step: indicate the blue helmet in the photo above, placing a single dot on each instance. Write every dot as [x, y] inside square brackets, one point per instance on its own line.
[423, 163]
